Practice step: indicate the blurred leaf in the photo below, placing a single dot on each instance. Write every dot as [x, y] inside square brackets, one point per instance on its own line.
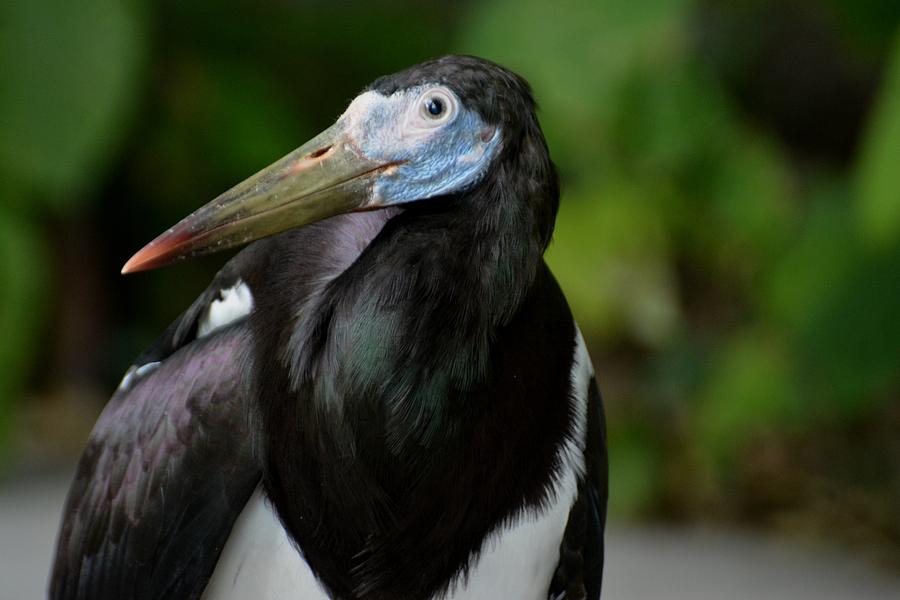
[610, 255]
[576, 54]
[749, 194]
[878, 172]
[838, 301]
[804, 279]
[852, 342]
[870, 23]
[671, 116]
[634, 472]
[752, 389]
[69, 69]
[23, 290]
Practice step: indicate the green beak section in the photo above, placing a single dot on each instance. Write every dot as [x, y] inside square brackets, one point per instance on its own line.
[326, 176]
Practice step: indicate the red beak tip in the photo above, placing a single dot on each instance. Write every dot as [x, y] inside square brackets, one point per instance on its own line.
[131, 266]
[142, 261]
[157, 253]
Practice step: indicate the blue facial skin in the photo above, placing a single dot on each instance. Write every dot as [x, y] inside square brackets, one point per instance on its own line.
[436, 158]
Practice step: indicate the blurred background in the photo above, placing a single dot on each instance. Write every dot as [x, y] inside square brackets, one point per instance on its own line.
[729, 236]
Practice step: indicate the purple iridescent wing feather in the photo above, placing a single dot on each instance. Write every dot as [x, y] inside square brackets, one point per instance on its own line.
[167, 470]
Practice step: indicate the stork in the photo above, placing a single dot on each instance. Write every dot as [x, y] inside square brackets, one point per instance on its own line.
[384, 396]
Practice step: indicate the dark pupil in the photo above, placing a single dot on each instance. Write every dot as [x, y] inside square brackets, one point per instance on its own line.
[435, 106]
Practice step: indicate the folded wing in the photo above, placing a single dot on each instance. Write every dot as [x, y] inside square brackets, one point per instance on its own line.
[168, 468]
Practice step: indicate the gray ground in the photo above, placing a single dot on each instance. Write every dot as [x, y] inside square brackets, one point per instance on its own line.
[643, 563]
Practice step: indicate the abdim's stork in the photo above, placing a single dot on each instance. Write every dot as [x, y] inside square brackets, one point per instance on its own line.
[385, 397]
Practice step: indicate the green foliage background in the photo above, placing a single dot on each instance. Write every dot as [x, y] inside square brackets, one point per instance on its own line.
[729, 237]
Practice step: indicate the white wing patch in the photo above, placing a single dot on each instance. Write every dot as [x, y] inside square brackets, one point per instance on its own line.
[134, 373]
[233, 303]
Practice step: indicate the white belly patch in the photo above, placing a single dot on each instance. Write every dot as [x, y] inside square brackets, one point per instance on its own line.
[259, 561]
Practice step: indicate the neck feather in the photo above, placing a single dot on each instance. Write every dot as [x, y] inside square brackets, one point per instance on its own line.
[381, 384]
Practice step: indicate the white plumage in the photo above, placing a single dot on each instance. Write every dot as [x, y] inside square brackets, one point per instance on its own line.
[233, 303]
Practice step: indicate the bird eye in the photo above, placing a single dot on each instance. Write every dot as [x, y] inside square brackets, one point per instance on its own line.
[436, 106]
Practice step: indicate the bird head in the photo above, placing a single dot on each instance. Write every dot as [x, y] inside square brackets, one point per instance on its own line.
[430, 131]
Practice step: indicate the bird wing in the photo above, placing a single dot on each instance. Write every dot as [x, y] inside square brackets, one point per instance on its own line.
[580, 570]
[167, 469]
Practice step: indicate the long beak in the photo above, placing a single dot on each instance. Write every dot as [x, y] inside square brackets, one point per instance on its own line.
[326, 176]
